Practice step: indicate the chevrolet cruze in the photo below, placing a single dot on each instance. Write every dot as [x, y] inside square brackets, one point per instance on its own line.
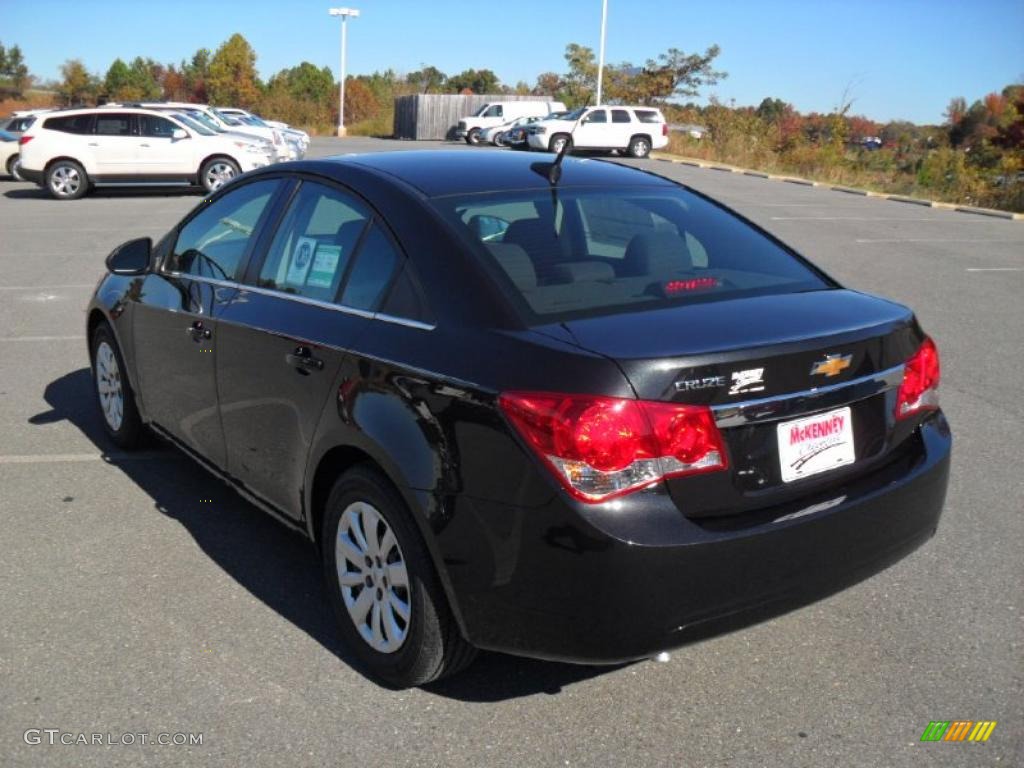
[568, 410]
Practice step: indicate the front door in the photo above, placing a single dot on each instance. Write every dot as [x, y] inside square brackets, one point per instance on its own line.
[160, 154]
[175, 313]
[594, 130]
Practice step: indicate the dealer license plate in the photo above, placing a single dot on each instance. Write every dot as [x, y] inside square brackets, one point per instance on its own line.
[815, 444]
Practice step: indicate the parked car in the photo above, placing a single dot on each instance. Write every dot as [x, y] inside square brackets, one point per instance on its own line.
[300, 136]
[577, 418]
[71, 151]
[9, 156]
[631, 130]
[18, 122]
[515, 138]
[496, 134]
[499, 112]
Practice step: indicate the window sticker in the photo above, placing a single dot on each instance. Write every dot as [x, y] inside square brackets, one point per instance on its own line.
[325, 264]
[302, 258]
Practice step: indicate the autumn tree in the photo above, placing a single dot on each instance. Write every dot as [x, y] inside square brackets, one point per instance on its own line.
[578, 85]
[78, 84]
[548, 84]
[195, 74]
[232, 79]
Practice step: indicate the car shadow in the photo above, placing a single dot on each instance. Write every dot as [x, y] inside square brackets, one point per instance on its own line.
[281, 571]
[38, 193]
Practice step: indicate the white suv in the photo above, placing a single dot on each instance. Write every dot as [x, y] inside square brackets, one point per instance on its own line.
[632, 130]
[69, 151]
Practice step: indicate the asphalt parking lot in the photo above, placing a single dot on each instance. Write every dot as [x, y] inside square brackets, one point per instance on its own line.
[140, 595]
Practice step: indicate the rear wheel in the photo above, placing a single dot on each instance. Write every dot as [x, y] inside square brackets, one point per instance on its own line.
[12, 166]
[473, 137]
[559, 142]
[499, 140]
[390, 607]
[114, 395]
[66, 180]
[216, 172]
[639, 146]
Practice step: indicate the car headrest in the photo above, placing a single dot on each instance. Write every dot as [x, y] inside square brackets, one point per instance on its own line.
[537, 237]
[656, 253]
[581, 271]
[516, 263]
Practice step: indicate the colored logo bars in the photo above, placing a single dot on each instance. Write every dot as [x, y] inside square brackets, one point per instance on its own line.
[958, 730]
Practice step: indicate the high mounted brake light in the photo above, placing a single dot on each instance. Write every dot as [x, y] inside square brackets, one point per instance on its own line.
[919, 390]
[603, 447]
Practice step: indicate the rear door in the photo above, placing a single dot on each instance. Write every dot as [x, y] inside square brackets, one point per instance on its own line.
[114, 145]
[283, 338]
[175, 333]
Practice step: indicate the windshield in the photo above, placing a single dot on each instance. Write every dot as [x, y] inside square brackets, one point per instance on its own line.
[206, 120]
[480, 111]
[576, 114]
[588, 251]
[253, 120]
[195, 125]
[228, 120]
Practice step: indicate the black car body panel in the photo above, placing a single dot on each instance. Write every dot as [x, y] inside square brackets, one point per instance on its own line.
[278, 393]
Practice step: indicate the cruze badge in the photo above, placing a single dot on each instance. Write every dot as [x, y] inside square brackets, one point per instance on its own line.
[831, 366]
[707, 382]
[751, 380]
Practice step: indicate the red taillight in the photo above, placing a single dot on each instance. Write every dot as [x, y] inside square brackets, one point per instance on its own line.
[602, 447]
[664, 129]
[919, 390]
[24, 140]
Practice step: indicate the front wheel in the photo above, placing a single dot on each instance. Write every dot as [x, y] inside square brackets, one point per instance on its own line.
[639, 147]
[217, 172]
[390, 606]
[66, 180]
[114, 395]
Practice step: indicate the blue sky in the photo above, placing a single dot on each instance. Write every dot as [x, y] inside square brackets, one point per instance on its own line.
[904, 58]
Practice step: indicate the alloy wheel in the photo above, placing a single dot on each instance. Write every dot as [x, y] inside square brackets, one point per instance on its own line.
[109, 387]
[219, 174]
[373, 577]
[65, 181]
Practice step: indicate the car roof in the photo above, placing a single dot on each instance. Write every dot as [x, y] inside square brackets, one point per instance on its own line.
[438, 173]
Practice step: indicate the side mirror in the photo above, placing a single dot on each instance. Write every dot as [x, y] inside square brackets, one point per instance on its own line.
[131, 258]
[179, 133]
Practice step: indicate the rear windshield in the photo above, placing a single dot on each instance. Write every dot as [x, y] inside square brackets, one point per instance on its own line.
[587, 251]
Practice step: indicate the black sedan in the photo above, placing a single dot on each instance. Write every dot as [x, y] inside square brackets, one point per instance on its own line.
[588, 415]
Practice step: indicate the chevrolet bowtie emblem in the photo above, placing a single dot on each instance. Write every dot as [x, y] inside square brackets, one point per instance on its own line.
[832, 365]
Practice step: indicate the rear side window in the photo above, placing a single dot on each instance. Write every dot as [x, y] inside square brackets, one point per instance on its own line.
[113, 125]
[620, 116]
[371, 275]
[598, 251]
[649, 116]
[315, 243]
[80, 124]
[214, 241]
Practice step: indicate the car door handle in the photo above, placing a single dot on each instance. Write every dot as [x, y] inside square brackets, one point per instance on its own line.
[143, 145]
[93, 143]
[303, 359]
[198, 331]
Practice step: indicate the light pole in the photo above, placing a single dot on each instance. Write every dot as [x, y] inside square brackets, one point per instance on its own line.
[344, 13]
[600, 57]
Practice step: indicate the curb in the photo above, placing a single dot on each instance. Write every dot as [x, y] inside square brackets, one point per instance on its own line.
[991, 212]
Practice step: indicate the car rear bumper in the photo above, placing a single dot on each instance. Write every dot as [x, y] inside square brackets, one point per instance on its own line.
[36, 177]
[565, 583]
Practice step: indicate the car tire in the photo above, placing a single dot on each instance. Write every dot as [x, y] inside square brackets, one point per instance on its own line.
[559, 140]
[498, 141]
[66, 180]
[371, 589]
[114, 396]
[473, 137]
[216, 172]
[12, 167]
[639, 147]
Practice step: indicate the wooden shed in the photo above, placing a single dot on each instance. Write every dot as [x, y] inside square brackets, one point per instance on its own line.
[436, 115]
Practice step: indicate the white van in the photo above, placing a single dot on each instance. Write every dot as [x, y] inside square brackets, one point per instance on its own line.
[500, 112]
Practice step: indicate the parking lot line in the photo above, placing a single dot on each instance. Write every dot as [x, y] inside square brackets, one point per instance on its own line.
[935, 240]
[995, 269]
[941, 220]
[41, 338]
[74, 458]
[45, 287]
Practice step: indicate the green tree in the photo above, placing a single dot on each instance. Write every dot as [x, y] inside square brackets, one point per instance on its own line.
[476, 80]
[232, 79]
[427, 79]
[673, 73]
[14, 76]
[305, 82]
[78, 84]
[118, 81]
[578, 86]
[772, 110]
[195, 74]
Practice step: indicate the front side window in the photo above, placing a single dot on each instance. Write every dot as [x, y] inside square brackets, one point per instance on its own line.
[315, 242]
[213, 242]
[495, 111]
[113, 124]
[597, 116]
[585, 252]
[155, 126]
